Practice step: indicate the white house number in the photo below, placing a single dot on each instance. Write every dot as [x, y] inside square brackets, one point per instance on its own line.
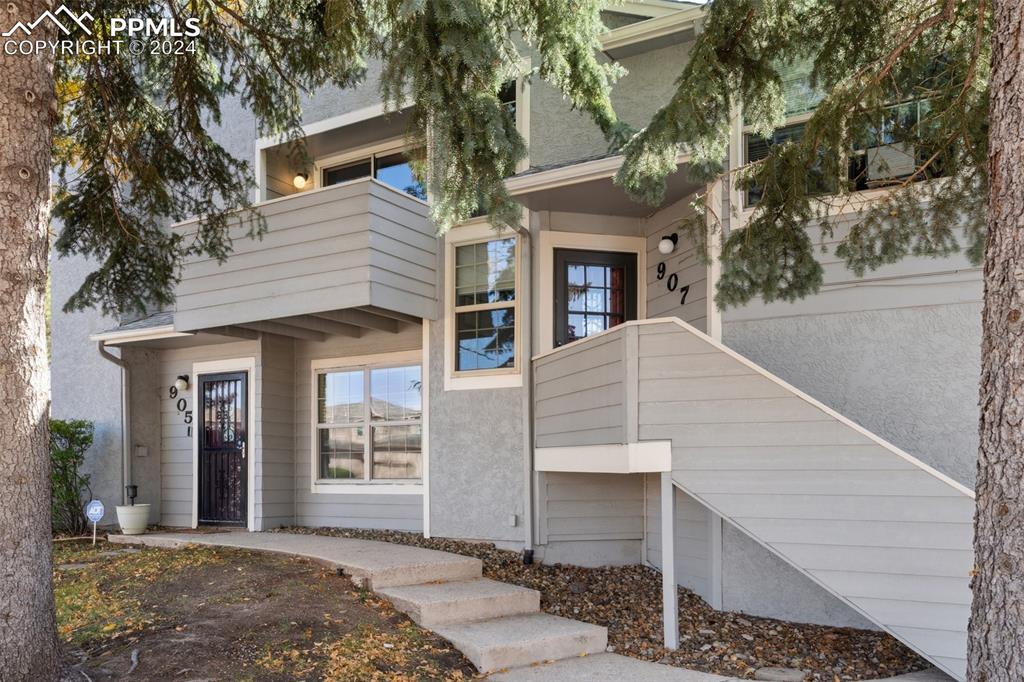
[182, 406]
[673, 282]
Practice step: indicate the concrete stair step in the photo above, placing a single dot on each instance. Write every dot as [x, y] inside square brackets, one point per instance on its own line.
[523, 640]
[461, 601]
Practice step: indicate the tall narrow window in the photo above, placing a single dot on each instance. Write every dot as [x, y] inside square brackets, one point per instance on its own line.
[485, 294]
[369, 424]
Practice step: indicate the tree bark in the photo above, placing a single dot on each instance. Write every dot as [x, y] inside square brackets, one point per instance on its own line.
[28, 638]
[996, 631]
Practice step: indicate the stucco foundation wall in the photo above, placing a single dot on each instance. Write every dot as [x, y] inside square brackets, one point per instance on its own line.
[84, 385]
[476, 457]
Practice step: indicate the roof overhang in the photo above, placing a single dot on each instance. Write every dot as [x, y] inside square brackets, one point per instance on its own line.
[652, 34]
[119, 336]
[588, 187]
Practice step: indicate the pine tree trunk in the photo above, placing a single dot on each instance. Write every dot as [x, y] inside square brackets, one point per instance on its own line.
[28, 639]
[996, 632]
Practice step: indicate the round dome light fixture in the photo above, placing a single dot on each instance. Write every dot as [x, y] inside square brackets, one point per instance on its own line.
[668, 244]
[300, 180]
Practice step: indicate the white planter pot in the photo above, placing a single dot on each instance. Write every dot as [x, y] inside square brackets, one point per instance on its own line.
[133, 519]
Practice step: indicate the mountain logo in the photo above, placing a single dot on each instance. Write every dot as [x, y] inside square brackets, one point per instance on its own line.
[67, 25]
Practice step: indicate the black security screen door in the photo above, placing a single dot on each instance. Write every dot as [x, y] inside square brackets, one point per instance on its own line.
[594, 291]
[222, 448]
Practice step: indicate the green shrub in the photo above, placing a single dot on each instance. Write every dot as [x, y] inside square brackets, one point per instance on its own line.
[69, 439]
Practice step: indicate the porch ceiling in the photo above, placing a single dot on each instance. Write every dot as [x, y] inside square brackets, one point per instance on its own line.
[350, 322]
[588, 187]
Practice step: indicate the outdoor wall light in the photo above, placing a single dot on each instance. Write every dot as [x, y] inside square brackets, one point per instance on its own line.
[300, 180]
[668, 244]
[181, 383]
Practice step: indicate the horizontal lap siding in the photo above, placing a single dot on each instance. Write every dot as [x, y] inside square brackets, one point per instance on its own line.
[692, 538]
[275, 423]
[355, 244]
[684, 262]
[580, 507]
[580, 394]
[868, 524]
[394, 512]
[176, 464]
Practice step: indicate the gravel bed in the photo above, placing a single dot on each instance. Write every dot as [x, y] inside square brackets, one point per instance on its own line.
[627, 600]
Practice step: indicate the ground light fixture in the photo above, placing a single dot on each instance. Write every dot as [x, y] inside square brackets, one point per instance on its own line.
[300, 180]
[668, 244]
[181, 383]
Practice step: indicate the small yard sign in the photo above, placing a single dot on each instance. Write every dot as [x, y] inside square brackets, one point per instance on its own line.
[94, 512]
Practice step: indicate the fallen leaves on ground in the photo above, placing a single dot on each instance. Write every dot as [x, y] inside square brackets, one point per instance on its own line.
[627, 600]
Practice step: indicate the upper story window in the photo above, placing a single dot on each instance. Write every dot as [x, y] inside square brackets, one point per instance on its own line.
[485, 305]
[877, 160]
[392, 169]
[369, 424]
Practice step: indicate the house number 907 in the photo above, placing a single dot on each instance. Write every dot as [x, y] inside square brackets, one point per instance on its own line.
[673, 282]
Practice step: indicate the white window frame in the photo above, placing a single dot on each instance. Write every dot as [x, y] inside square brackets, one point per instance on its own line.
[364, 486]
[477, 232]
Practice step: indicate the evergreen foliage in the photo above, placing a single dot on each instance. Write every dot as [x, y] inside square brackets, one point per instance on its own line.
[867, 57]
[135, 153]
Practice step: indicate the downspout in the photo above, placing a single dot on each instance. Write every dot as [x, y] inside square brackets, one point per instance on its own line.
[526, 343]
[126, 419]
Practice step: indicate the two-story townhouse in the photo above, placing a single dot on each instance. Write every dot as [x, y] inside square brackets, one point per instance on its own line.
[570, 390]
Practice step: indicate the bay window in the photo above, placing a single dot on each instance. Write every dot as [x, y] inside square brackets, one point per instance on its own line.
[369, 424]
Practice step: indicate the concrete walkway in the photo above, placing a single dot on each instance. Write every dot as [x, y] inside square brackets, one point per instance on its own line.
[497, 626]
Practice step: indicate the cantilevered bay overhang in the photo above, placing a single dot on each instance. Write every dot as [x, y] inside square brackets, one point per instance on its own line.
[588, 187]
[334, 260]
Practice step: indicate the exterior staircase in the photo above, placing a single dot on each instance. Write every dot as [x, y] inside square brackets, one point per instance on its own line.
[887, 534]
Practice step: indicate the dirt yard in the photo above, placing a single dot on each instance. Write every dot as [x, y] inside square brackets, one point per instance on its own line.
[220, 614]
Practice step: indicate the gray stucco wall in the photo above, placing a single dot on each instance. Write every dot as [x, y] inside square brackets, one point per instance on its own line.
[559, 134]
[476, 457]
[84, 385]
[909, 375]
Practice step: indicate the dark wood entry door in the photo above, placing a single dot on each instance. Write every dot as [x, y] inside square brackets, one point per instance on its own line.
[594, 291]
[223, 421]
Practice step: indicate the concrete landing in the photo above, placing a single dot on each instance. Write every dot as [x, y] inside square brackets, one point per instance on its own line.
[371, 564]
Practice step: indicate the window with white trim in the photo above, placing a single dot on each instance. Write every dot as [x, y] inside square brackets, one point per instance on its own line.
[485, 306]
[369, 424]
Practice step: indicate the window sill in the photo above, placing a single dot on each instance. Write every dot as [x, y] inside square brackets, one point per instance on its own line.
[364, 488]
[473, 382]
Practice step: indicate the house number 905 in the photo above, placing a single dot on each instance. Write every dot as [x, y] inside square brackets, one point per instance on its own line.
[182, 406]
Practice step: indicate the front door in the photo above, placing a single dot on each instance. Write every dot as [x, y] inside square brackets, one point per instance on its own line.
[594, 291]
[222, 448]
